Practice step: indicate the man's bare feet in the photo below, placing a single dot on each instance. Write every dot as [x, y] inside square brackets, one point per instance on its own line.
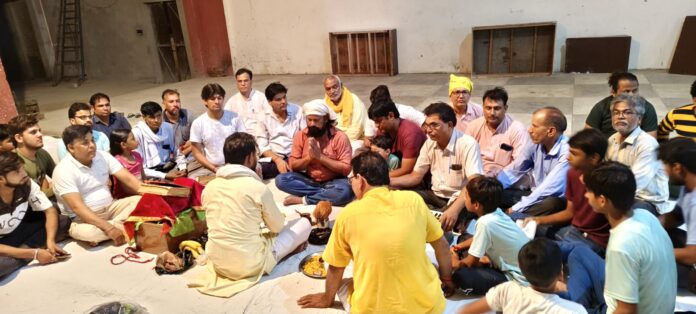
[93, 244]
[292, 200]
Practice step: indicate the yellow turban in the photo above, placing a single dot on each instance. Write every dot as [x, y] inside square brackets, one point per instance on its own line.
[457, 82]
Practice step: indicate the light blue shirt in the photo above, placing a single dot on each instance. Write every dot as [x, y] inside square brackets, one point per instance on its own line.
[687, 202]
[640, 267]
[100, 139]
[546, 171]
[501, 239]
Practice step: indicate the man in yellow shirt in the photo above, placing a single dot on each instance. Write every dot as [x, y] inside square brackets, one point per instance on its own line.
[384, 233]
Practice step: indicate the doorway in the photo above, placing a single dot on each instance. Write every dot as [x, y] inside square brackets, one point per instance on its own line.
[169, 37]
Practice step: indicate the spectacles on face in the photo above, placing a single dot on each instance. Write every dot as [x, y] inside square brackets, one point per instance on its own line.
[624, 113]
[460, 92]
[86, 117]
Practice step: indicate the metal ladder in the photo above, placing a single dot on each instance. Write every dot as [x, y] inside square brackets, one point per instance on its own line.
[70, 60]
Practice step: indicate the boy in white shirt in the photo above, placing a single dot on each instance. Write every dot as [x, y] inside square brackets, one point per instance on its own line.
[641, 276]
[541, 262]
[209, 131]
[157, 145]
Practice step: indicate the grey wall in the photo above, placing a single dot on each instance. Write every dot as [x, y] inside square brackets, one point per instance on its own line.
[113, 49]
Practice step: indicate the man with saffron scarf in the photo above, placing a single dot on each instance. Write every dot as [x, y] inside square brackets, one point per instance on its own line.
[350, 111]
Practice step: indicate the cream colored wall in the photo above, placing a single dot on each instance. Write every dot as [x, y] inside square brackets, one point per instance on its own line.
[277, 36]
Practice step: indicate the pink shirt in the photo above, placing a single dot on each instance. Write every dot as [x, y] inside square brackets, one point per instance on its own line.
[473, 112]
[337, 148]
[501, 147]
[134, 167]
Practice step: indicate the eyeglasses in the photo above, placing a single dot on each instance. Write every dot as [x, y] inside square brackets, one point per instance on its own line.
[432, 126]
[460, 92]
[625, 113]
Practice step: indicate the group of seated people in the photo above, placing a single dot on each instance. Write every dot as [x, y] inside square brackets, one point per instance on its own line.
[599, 198]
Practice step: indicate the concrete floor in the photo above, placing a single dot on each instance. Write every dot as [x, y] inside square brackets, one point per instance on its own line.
[69, 287]
[574, 94]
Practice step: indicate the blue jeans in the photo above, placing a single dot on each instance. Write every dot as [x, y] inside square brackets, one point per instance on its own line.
[572, 234]
[585, 276]
[337, 191]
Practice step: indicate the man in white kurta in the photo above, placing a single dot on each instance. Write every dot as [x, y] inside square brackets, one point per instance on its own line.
[237, 204]
[248, 103]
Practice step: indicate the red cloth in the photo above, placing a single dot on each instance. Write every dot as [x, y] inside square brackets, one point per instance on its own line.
[150, 208]
[409, 139]
[585, 218]
[163, 208]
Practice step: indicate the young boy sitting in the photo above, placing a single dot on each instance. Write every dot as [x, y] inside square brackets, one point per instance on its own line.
[496, 242]
[541, 263]
[641, 276]
[382, 145]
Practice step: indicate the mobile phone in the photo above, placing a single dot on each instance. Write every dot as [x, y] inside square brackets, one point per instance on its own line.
[63, 256]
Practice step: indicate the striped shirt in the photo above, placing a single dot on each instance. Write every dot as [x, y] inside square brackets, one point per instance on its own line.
[682, 120]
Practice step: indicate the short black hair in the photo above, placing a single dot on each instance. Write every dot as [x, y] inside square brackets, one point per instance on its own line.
[590, 141]
[372, 167]
[96, 97]
[380, 93]
[685, 157]
[209, 90]
[242, 71]
[383, 141]
[693, 89]
[5, 132]
[169, 92]
[443, 110]
[496, 94]
[150, 108]
[486, 191]
[9, 161]
[615, 181]
[274, 89]
[77, 106]
[554, 117]
[540, 261]
[238, 147]
[74, 132]
[117, 137]
[382, 109]
[668, 150]
[615, 77]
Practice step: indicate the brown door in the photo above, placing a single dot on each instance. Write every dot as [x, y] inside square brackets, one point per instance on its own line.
[170, 41]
